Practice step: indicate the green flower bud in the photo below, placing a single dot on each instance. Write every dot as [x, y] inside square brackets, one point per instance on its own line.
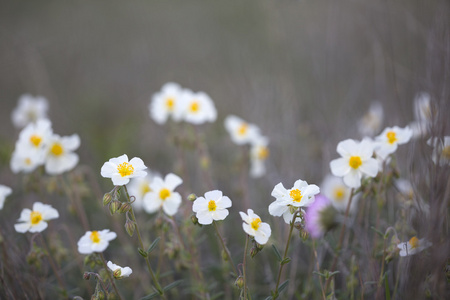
[106, 199]
[114, 206]
[130, 226]
[194, 219]
[125, 207]
[239, 282]
[192, 197]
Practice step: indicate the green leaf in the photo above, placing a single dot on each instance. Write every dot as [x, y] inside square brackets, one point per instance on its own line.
[142, 253]
[172, 285]
[377, 231]
[153, 245]
[386, 288]
[151, 296]
[285, 261]
[277, 253]
[283, 286]
[320, 274]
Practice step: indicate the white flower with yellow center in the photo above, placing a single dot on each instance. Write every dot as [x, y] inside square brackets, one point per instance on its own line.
[139, 187]
[95, 241]
[118, 271]
[29, 110]
[259, 153]
[35, 136]
[60, 156]
[166, 103]
[287, 202]
[5, 191]
[198, 108]
[339, 194]
[26, 160]
[120, 170]
[253, 226]
[388, 141]
[413, 246]
[355, 162]
[240, 131]
[162, 195]
[441, 151]
[212, 207]
[36, 220]
[370, 123]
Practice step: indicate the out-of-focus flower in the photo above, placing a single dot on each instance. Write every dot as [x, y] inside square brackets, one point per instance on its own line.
[355, 162]
[370, 123]
[120, 170]
[441, 151]
[118, 271]
[197, 108]
[240, 131]
[26, 160]
[300, 195]
[36, 220]
[166, 103]
[95, 241]
[253, 226]
[29, 109]
[162, 195]
[423, 114]
[212, 207]
[5, 191]
[320, 217]
[413, 246]
[35, 136]
[388, 141]
[259, 153]
[60, 156]
[139, 187]
[337, 192]
[405, 189]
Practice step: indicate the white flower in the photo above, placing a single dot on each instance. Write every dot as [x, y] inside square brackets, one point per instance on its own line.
[35, 136]
[120, 170]
[441, 151]
[60, 157]
[36, 220]
[95, 241]
[212, 207]
[370, 123]
[118, 271]
[253, 226]
[339, 194]
[288, 201]
[198, 108]
[355, 162]
[258, 155]
[166, 103]
[422, 107]
[388, 141]
[139, 187]
[5, 191]
[29, 110]
[413, 246]
[162, 195]
[26, 160]
[240, 131]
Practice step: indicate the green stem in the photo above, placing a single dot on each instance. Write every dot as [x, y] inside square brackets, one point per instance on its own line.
[53, 264]
[225, 248]
[244, 267]
[109, 275]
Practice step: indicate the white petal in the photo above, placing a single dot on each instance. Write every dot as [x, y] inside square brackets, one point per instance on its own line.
[370, 167]
[276, 209]
[171, 205]
[346, 148]
[22, 227]
[108, 169]
[339, 167]
[200, 204]
[213, 195]
[220, 214]
[224, 202]
[204, 218]
[117, 179]
[353, 179]
[41, 226]
[172, 181]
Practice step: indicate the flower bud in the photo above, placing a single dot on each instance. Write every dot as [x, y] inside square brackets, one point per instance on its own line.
[114, 206]
[224, 255]
[106, 199]
[130, 226]
[86, 276]
[125, 207]
[192, 197]
[253, 252]
[194, 219]
[239, 282]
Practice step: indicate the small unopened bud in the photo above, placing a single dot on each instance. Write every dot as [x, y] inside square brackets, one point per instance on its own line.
[192, 197]
[224, 255]
[106, 199]
[125, 207]
[130, 226]
[86, 276]
[114, 206]
[194, 219]
[304, 234]
[239, 282]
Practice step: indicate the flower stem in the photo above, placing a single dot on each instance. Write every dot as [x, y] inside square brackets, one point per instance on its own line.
[244, 267]
[53, 264]
[141, 245]
[225, 248]
[109, 275]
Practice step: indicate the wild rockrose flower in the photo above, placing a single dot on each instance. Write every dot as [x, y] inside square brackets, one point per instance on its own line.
[5, 191]
[240, 131]
[166, 103]
[29, 109]
[95, 241]
[413, 246]
[370, 123]
[35, 136]
[162, 195]
[212, 207]
[139, 187]
[120, 170]
[118, 271]
[320, 217]
[289, 201]
[259, 153]
[441, 151]
[337, 192]
[36, 220]
[25, 160]
[388, 141]
[60, 156]
[197, 108]
[355, 162]
[255, 227]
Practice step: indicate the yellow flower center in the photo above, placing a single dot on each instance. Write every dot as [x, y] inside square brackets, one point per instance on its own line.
[35, 140]
[355, 162]
[125, 169]
[170, 104]
[446, 152]
[256, 223]
[28, 161]
[57, 149]
[164, 193]
[145, 188]
[263, 153]
[391, 136]
[414, 242]
[194, 107]
[212, 206]
[35, 217]
[296, 195]
[339, 193]
[95, 237]
[242, 130]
